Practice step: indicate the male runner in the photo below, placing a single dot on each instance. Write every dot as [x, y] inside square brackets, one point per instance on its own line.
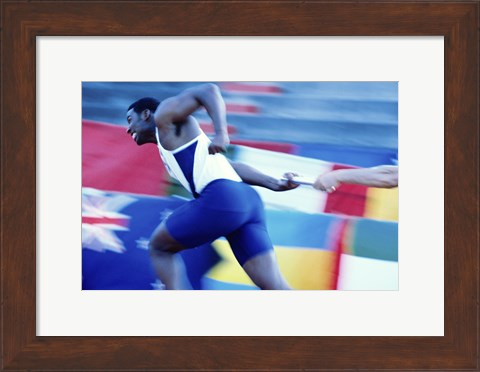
[223, 204]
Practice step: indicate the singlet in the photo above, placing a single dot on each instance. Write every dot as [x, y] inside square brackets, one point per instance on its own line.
[194, 167]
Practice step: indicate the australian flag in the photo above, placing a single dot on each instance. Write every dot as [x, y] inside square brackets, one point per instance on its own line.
[116, 228]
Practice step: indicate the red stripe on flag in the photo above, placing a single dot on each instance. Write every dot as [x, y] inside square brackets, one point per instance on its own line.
[251, 88]
[240, 108]
[348, 199]
[209, 129]
[337, 246]
[272, 146]
[105, 220]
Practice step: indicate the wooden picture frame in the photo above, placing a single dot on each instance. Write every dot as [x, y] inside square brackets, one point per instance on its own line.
[23, 21]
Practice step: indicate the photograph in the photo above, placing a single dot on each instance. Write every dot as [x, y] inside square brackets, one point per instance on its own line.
[240, 185]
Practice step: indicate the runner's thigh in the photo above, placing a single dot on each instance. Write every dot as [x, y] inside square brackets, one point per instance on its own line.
[194, 224]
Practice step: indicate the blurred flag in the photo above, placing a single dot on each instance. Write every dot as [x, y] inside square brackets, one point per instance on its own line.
[350, 200]
[116, 228]
[315, 251]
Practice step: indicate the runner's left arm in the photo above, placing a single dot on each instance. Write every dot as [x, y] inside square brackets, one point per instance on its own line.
[254, 177]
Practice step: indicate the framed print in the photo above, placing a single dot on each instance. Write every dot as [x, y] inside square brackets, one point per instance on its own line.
[26, 24]
[274, 315]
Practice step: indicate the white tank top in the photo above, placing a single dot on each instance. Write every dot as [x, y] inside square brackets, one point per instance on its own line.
[192, 165]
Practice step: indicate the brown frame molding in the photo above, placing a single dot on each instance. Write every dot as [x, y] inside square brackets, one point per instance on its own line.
[23, 21]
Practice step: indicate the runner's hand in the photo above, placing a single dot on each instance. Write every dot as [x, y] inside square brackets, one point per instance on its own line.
[285, 185]
[219, 144]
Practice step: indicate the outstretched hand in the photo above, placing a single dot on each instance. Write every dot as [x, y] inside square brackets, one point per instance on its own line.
[326, 182]
[219, 144]
[286, 183]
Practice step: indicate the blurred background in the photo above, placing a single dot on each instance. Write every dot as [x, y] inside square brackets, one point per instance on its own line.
[347, 240]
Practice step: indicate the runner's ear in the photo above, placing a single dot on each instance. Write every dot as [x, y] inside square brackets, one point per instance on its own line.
[146, 114]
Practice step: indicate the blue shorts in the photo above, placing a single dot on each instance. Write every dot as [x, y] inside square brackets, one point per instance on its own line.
[224, 208]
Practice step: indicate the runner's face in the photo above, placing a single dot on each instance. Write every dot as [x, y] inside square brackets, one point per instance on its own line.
[142, 131]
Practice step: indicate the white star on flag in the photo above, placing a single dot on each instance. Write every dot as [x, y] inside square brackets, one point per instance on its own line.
[142, 243]
[158, 285]
[165, 213]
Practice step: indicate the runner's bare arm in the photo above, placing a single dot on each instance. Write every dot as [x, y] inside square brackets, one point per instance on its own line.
[179, 107]
[254, 177]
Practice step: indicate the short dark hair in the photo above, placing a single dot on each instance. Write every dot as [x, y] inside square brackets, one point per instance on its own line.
[143, 104]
